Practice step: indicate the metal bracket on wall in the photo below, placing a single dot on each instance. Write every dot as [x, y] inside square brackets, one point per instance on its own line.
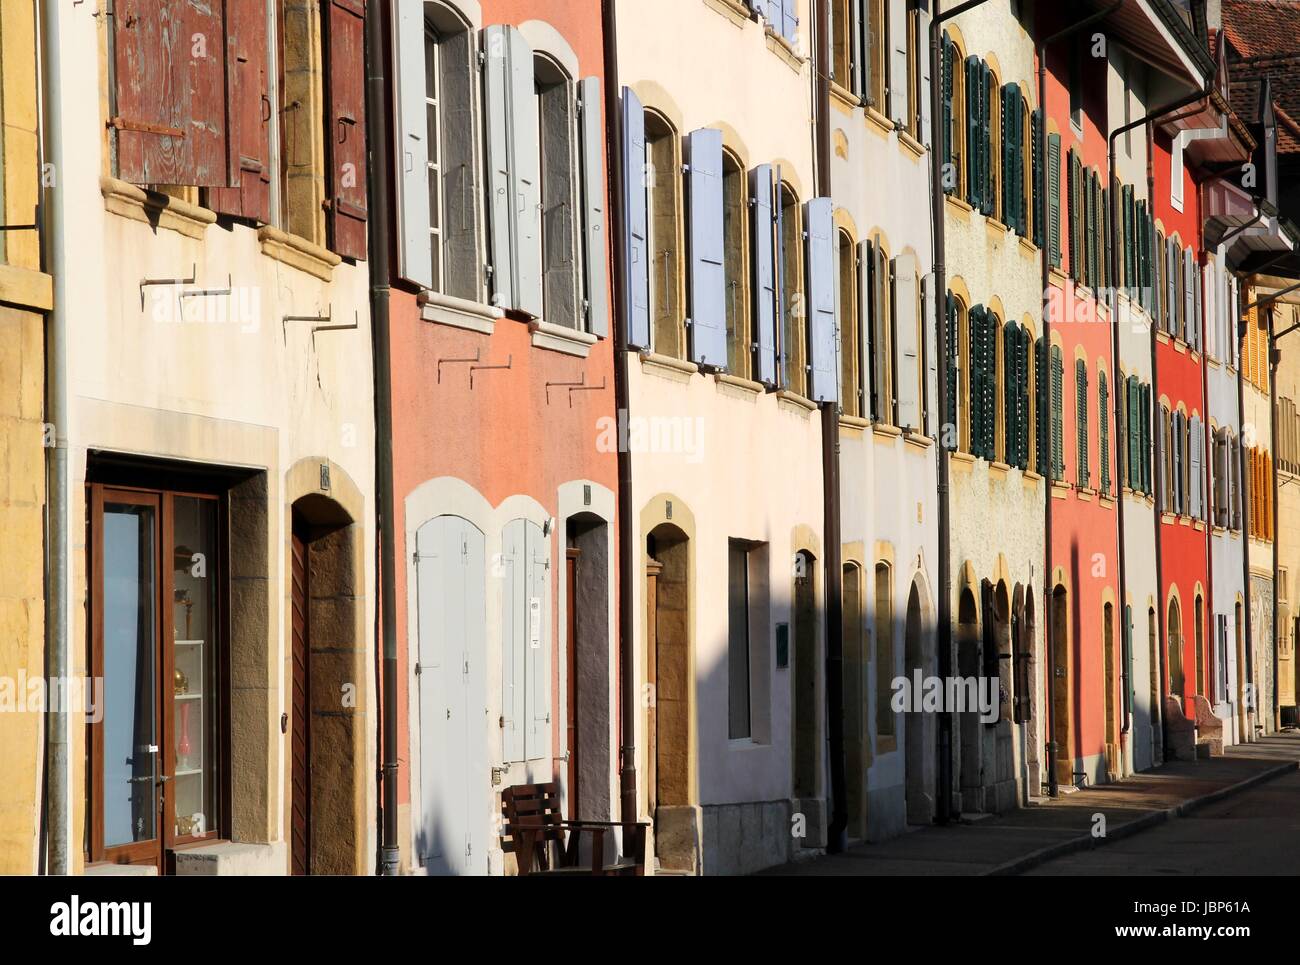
[149, 282]
[477, 357]
[585, 388]
[510, 361]
[324, 323]
[202, 293]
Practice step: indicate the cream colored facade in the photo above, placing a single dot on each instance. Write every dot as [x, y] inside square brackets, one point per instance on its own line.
[242, 382]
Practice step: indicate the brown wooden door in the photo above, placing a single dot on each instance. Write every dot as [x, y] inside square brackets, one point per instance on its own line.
[300, 830]
[653, 569]
[571, 651]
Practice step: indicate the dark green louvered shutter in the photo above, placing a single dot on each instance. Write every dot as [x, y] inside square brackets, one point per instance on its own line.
[1042, 407]
[1026, 347]
[1135, 435]
[1093, 232]
[946, 132]
[1058, 437]
[1005, 154]
[1103, 431]
[973, 131]
[989, 420]
[1054, 197]
[975, 336]
[953, 348]
[1126, 202]
[988, 191]
[1144, 403]
[1081, 421]
[1072, 213]
[1010, 405]
[1036, 174]
[1122, 469]
[1103, 233]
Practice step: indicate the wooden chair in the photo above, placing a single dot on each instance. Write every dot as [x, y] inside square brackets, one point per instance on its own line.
[534, 820]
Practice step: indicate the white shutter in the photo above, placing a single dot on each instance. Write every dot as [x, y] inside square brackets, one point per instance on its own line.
[496, 85]
[526, 183]
[923, 73]
[898, 72]
[537, 642]
[906, 342]
[595, 262]
[514, 686]
[415, 253]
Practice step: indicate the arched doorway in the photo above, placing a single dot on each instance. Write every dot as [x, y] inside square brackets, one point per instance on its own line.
[855, 701]
[587, 664]
[807, 660]
[921, 746]
[1025, 681]
[1062, 682]
[1109, 683]
[1174, 649]
[327, 649]
[671, 682]
[969, 730]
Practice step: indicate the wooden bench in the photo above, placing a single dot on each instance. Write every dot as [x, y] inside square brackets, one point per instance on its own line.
[534, 821]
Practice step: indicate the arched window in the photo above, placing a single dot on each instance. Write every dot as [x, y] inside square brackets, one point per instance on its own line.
[664, 202]
[984, 329]
[736, 272]
[850, 376]
[952, 122]
[794, 353]
[1175, 648]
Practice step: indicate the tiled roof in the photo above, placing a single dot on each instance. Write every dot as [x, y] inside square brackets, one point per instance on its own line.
[1256, 27]
[1263, 35]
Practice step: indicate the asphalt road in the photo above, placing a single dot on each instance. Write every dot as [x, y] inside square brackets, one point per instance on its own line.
[1253, 833]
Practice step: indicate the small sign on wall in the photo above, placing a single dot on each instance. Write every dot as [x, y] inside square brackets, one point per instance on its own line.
[535, 622]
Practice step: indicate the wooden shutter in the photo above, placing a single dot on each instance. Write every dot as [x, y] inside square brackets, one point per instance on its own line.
[1054, 197]
[708, 302]
[462, 251]
[789, 19]
[946, 130]
[415, 246]
[930, 353]
[973, 134]
[1134, 419]
[595, 262]
[1081, 422]
[987, 157]
[762, 187]
[248, 93]
[989, 391]
[636, 253]
[514, 688]
[881, 338]
[496, 90]
[1189, 298]
[952, 348]
[170, 105]
[1103, 430]
[1219, 467]
[345, 138]
[1195, 463]
[1042, 407]
[1058, 396]
[1144, 402]
[1010, 392]
[922, 31]
[899, 106]
[821, 297]
[553, 215]
[300, 705]
[526, 178]
[907, 345]
[978, 371]
[1026, 350]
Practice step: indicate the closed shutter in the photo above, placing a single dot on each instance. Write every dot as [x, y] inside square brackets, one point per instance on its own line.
[988, 94]
[1123, 447]
[989, 389]
[1042, 407]
[1026, 350]
[1129, 240]
[1035, 135]
[514, 630]
[1103, 430]
[1090, 222]
[1171, 287]
[1004, 152]
[1010, 392]
[1180, 465]
[946, 131]
[1144, 403]
[1054, 197]
[975, 352]
[1189, 298]
[345, 138]
[761, 188]
[708, 321]
[1220, 482]
[1135, 474]
[1161, 460]
[923, 74]
[249, 96]
[1058, 392]
[170, 120]
[822, 284]
[789, 19]
[636, 253]
[871, 377]
[882, 345]
[1198, 285]
[536, 614]
[1081, 420]
[462, 250]
[1196, 463]
[415, 246]
[952, 348]
[973, 133]
[899, 106]
[595, 262]
[907, 341]
[929, 351]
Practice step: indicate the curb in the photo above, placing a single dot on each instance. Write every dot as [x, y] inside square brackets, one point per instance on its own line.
[1086, 842]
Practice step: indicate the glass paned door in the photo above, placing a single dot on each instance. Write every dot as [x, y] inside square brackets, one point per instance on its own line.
[129, 594]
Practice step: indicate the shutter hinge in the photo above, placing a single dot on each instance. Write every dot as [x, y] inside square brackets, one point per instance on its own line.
[482, 59]
[418, 669]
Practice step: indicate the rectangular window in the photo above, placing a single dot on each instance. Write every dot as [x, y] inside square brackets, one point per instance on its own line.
[738, 669]
[156, 640]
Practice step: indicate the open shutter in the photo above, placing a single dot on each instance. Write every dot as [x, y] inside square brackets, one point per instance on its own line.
[514, 688]
[526, 176]
[1135, 480]
[907, 342]
[898, 63]
[930, 392]
[1054, 197]
[635, 242]
[537, 661]
[789, 19]
[973, 74]
[496, 86]
[595, 262]
[462, 254]
[555, 222]
[708, 321]
[415, 248]
[1198, 479]
[946, 131]
[975, 395]
[823, 338]
[762, 187]
[1058, 428]
[923, 74]
[248, 144]
[950, 370]
[1010, 371]
[1103, 430]
[1189, 298]
[1026, 353]
[988, 96]
[1036, 174]
[1144, 403]
[867, 296]
[345, 112]
[170, 120]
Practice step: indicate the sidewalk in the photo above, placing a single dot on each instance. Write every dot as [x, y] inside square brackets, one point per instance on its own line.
[1021, 839]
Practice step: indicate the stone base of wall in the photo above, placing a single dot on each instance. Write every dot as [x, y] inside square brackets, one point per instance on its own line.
[233, 858]
[887, 812]
[742, 838]
[676, 838]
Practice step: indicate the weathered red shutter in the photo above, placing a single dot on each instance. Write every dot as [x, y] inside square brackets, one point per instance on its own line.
[249, 145]
[346, 137]
[170, 111]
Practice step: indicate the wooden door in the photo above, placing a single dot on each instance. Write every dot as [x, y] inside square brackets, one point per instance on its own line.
[300, 816]
[653, 569]
[571, 650]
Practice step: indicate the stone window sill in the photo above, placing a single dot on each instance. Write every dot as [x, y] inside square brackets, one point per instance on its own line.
[918, 441]
[885, 431]
[845, 98]
[298, 252]
[913, 146]
[783, 49]
[796, 401]
[152, 208]
[668, 366]
[558, 338]
[458, 312]
[736, 382]
[854, 423]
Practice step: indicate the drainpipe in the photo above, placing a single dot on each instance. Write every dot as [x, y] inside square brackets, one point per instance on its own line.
[1044, 263]
[1273, 354]
[627, 544]
[379, 242]
[837, 830]
[943, 806]
[1244, 521]
[58, 854]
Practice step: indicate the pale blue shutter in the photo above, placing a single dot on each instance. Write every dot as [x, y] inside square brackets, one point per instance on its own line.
[1198, 483]
[525, 150]
[923, 74]
[867, 327]
[415, 252]
[537, 639]
[514, 684]
[434, 597]
[595, 261]
[898, 73]
[1189, 297]
[930, 403]
[708, 301]
[824, 339]
[1198, 285]
[496, 86]
[761, 188]
[635, 243]
[789, 19]
[907, 342]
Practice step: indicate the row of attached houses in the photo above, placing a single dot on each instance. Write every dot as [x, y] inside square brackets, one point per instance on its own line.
[780, 422]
